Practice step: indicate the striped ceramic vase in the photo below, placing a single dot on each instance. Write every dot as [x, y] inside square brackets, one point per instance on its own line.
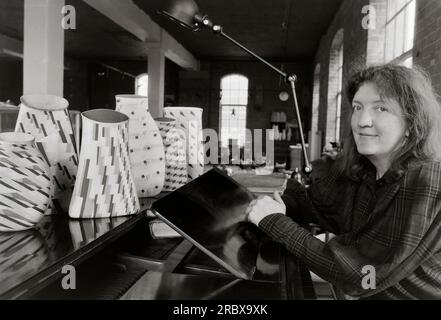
[175, 154]
[46, 118]
[104, 186]
[190, 121]
[25, 182]
[147, 154]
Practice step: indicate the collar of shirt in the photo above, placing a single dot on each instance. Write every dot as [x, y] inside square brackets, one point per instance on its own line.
[390, 177]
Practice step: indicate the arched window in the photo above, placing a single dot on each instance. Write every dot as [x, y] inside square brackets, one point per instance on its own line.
[142, 85]
[233, 109]
[335, 88]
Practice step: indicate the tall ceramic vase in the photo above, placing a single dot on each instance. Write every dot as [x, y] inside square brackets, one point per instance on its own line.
[189, 120]
[147, 154]
[175, 154]
[25, 182]
[46, 118]
[104, 186]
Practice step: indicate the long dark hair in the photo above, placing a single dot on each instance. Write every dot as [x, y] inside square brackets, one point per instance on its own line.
[412, 89]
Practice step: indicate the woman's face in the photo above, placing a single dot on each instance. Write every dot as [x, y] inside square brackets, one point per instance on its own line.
[378, 125]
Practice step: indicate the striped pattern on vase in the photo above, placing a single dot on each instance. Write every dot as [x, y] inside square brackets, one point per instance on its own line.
[85, 231]
[46, 118]
[104, 187]
[147, 155]
[190, 121]
[175, 154]
[22, 255]
[25, 183]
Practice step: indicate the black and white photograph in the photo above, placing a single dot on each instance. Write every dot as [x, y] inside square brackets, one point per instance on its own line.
[220, 158]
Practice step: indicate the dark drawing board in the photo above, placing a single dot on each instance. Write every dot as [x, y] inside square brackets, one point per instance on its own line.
[210, 212]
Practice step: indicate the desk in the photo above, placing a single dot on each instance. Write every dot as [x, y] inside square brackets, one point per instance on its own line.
[115, 257]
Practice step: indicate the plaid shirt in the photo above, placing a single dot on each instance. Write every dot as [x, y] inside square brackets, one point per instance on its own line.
[393, 224]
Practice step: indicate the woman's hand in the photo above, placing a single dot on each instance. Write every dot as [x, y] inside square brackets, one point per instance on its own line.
[265, 206]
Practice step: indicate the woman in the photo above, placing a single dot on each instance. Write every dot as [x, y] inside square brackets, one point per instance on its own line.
[382, 197]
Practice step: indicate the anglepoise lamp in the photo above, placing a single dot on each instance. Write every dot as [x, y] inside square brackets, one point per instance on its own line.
[186, 13]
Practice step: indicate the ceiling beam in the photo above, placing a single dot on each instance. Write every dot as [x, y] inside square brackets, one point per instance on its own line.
[129, 16]
[10, 46]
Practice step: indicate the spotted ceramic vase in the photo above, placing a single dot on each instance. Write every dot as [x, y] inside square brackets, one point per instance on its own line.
[189, 120]
[104, 187]
[46, 118]
[175, 155]
[26, 186]
[147, 155]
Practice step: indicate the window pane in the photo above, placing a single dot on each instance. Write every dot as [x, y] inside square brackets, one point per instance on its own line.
[410, 25]
[400, 28]
[141, 85]
[399, 35]
[234, 98]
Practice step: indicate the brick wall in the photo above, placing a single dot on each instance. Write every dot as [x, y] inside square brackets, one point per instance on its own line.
[427, 43]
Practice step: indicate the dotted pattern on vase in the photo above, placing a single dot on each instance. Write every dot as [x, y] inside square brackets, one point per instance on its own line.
[104, 187]
[55, 139]
[25, 186]
[175, 155]
[189, 120]
[147, 155]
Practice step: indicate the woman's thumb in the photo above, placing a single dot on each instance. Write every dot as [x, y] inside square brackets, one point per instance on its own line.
[278, 198]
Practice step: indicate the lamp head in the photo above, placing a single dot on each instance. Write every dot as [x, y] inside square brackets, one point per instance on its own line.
[183, 12]
[186, 13]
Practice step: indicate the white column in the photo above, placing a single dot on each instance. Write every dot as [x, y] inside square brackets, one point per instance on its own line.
[43, 64]
[156, 72]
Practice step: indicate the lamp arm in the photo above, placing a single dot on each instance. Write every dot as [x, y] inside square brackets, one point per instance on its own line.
[291, 79]
[307, 169]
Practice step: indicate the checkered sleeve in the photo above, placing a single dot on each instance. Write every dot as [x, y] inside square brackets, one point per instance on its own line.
[394, 243]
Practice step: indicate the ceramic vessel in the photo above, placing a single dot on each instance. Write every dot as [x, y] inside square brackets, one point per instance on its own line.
[46, 118]
[104, 186]
[147, 155]
[22, 254]
[26, 186]
[175, 154]
[189, 120]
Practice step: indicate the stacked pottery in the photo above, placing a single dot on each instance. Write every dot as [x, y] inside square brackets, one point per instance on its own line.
[175, 154]
[25, 183]
[147, 154]
[104, 187]
[46, 118]
[189, 120]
